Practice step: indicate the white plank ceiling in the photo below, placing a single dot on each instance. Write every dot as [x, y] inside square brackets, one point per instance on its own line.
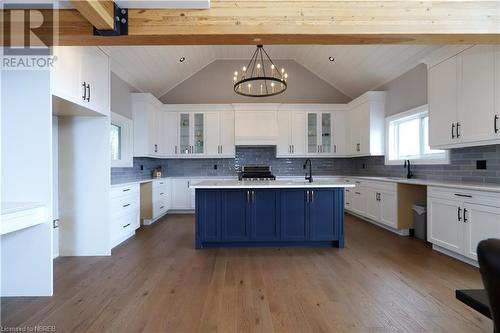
[356, 69]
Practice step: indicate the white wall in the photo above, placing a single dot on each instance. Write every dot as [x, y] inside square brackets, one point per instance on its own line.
[406, 91]
[84, 185]
[26, 175]
[120, 96]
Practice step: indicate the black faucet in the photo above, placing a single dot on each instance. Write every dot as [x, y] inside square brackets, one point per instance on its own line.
[409, 174]
[310, 177]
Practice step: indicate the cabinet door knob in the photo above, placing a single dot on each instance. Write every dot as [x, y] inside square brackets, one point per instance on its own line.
[458, 130]
[453, 131]
[459, 214]
[88, 96]
[495, 123]
[465, 215]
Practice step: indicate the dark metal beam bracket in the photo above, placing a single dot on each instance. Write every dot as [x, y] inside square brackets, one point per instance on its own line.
[121, 24]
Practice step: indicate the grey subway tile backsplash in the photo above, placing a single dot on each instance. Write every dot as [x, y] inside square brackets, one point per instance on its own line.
[462, 166]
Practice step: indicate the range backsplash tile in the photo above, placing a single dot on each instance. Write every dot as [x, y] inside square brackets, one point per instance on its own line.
[462, 166]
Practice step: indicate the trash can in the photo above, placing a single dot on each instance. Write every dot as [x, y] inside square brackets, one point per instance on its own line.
[420, 221]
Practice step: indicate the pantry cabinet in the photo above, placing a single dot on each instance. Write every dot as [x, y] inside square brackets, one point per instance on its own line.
[458, 220]
[81, 76]
[464, 99]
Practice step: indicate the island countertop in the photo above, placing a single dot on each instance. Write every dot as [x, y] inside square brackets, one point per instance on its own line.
[279, 183]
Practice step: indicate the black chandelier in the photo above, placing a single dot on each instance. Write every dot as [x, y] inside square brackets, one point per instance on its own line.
[255, 81]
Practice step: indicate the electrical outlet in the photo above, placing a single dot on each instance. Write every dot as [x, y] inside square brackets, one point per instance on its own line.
[215, 166]
[364, 166]
[481, 164]
[142, 167]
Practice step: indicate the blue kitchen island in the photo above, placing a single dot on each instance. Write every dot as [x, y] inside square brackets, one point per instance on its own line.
[232, 213]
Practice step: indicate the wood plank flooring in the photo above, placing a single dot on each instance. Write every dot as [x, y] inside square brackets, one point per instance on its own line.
[157, 282]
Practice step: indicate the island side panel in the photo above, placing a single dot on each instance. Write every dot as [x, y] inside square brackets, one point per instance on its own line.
[208, 217]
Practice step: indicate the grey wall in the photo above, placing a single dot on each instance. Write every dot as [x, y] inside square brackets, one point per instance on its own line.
[120, 96]
[213, 84]
[407, 91]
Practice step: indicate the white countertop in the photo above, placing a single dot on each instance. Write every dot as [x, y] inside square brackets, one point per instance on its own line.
[489, 187]
[441, 183]
[279, 183]
[21, 215]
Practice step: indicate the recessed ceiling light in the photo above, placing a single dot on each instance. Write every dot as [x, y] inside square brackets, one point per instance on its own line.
[182, 59]
[331, 58]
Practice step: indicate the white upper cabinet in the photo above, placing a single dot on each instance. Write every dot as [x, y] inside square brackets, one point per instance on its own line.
[366, 124]
[81, 76]
[291, 133]
[198, 131]
[463, 99]
[148, 125]
[443, 95]
[319, 133]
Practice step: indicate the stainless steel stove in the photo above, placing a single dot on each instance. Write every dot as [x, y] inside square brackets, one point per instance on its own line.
[256, 172]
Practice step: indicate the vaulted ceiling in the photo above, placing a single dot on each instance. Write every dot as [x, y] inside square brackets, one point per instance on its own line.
[355, 70]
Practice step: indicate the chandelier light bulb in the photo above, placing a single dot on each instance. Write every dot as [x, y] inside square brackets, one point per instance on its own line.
[236, 73]
[282, 71]
[244, 69]
[235, 78]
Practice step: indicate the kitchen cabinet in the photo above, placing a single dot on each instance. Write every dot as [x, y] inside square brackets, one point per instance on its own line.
[169, 134]
[181, 194]
[319, 133]
[366, 124]
[458, 220]
[155, 200]
[268, 216]
[443, 98]
[220, 134]
[81, 75]
[191, 133]
[292, 134]
[375, 201]
[295, 226]
[148, 125]
[124, 212]
[463, 100]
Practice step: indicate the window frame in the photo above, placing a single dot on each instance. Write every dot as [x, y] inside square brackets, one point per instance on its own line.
[126, 140]
[421, 160]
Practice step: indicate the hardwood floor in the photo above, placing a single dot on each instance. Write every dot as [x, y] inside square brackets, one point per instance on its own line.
[157, 282]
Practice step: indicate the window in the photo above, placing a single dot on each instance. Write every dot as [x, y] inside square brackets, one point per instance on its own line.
[120, 138]
[116, 145]
[408, 139]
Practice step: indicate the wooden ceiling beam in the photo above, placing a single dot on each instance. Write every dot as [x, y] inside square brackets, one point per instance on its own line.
[99, 13]
[300, 22]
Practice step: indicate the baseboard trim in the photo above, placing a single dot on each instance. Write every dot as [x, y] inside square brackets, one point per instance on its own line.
[455, 255]
[400, 232]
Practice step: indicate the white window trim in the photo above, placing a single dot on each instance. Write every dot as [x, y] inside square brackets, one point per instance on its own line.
[417, 161]
[127, 132]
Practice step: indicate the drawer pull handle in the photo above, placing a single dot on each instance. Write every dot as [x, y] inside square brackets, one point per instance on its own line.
[357, 192]
[463, 195]
[126, 190]
[162, 193]
[126, 225]
[126, 205]
[162, 207]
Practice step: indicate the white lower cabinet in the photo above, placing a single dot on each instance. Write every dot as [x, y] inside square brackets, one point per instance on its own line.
[181, 194]
[376, 201]
[155, 200]
[458, 220]
[125, 209]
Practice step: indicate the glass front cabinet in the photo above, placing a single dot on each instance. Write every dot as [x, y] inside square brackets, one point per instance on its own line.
[191, 133]
[319, 133]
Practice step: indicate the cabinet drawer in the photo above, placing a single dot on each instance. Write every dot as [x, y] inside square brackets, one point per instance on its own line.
[159, 208]
[124, 226]
[160, 191]
[118, 191]
[159, 183]
[468, 196]
[124, 204]
[381, 186]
